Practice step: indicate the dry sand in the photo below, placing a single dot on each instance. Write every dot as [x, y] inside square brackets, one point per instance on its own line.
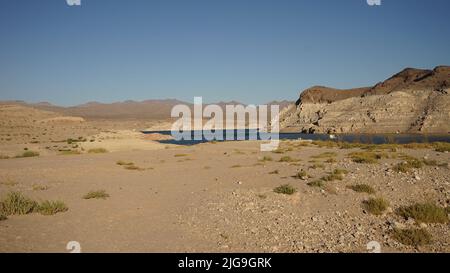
[210, 197]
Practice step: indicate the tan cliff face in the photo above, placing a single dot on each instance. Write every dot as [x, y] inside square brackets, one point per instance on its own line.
[412, 101]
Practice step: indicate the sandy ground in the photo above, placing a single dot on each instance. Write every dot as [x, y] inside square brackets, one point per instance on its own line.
[212, 197]
[197, 199]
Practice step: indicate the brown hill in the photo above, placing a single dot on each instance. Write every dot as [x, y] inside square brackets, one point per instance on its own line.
[412, 101]
[409, 78]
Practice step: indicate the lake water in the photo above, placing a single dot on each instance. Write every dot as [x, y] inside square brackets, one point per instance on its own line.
[359, 138]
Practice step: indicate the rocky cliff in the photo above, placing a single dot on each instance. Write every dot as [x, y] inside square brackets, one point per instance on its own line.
[412, 101]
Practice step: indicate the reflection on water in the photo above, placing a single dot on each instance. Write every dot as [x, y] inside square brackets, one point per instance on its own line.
[358, 138]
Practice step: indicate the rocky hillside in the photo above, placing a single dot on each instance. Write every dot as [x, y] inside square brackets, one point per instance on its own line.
[412, 101]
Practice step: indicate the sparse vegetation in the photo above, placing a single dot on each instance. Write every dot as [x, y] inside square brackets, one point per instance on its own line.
[376, 206]
[236, 166]
[337, 174]
[324, 155]
[17, 204]
[317, 183]
[441, 147]
[362, 188]
[412, 237]
[28, 154]
[2, 217]
[317, 166]
[301, 174]
[274, 172]
[285, 189]
[40, 187]
[52, 207]
[100, 194]
[133, 168]
[366, 157]
[410, 163]
[424, 213]
[180, 155]
[9, 183]
[97, 151]
[70, 152]
[288, 159]
[124, 163]
[266, 158]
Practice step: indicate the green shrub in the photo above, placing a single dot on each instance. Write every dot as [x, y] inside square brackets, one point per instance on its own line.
[52, 207]
[376, 206]
[362, 188]
[412, 237]
[97, 151]
[424, 212]
[100, 194]
[317, 183]
[28, 154]
[16, 203]
[285, 189]
[301, 174]
[366, 157]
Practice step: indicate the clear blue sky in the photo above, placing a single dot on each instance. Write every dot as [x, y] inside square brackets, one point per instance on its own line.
[253, 51]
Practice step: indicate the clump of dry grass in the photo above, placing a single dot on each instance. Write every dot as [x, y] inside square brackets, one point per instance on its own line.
[317, 166]
[412, 237]
[285, 189]
[70, 152]
[376, 206]
[324, 155]
[3, 217]
[274, 172]
[236, 166]
[17, 204]
[52, 207]
[337, 174]
[366, 157]
[317, 183]
[40, 187]
[288, 159]
[302, 174]
[100, 194]
[133, 168]
[441, 147]
[180, 155]
[424, 213]
[362, 188]
[124, 163]
[97, 151]
[410, 163]
[28, 154]
[266, 158]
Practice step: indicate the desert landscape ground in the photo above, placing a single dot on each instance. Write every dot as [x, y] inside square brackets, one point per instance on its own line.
[111, 188]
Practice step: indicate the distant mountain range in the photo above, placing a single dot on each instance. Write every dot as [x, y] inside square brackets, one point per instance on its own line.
[147, 109]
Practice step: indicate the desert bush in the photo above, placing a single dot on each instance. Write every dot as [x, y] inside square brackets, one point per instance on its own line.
[301, 174]
[124, 163]
[274, 172]
[16, 203]
[100, 194]
[424, 213]
[2, 217]
[412, 237]
[70, 152]
[28, 154]
[362, 188]
[236, 166]
[285, 189]
[317, 166]
[288, 159]
[40, 187]
[367, 157]
[266, 158]
[52, 207]
[441, 147]
[316, 183]
[376, 206]
[97, 151]
[325, 155]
